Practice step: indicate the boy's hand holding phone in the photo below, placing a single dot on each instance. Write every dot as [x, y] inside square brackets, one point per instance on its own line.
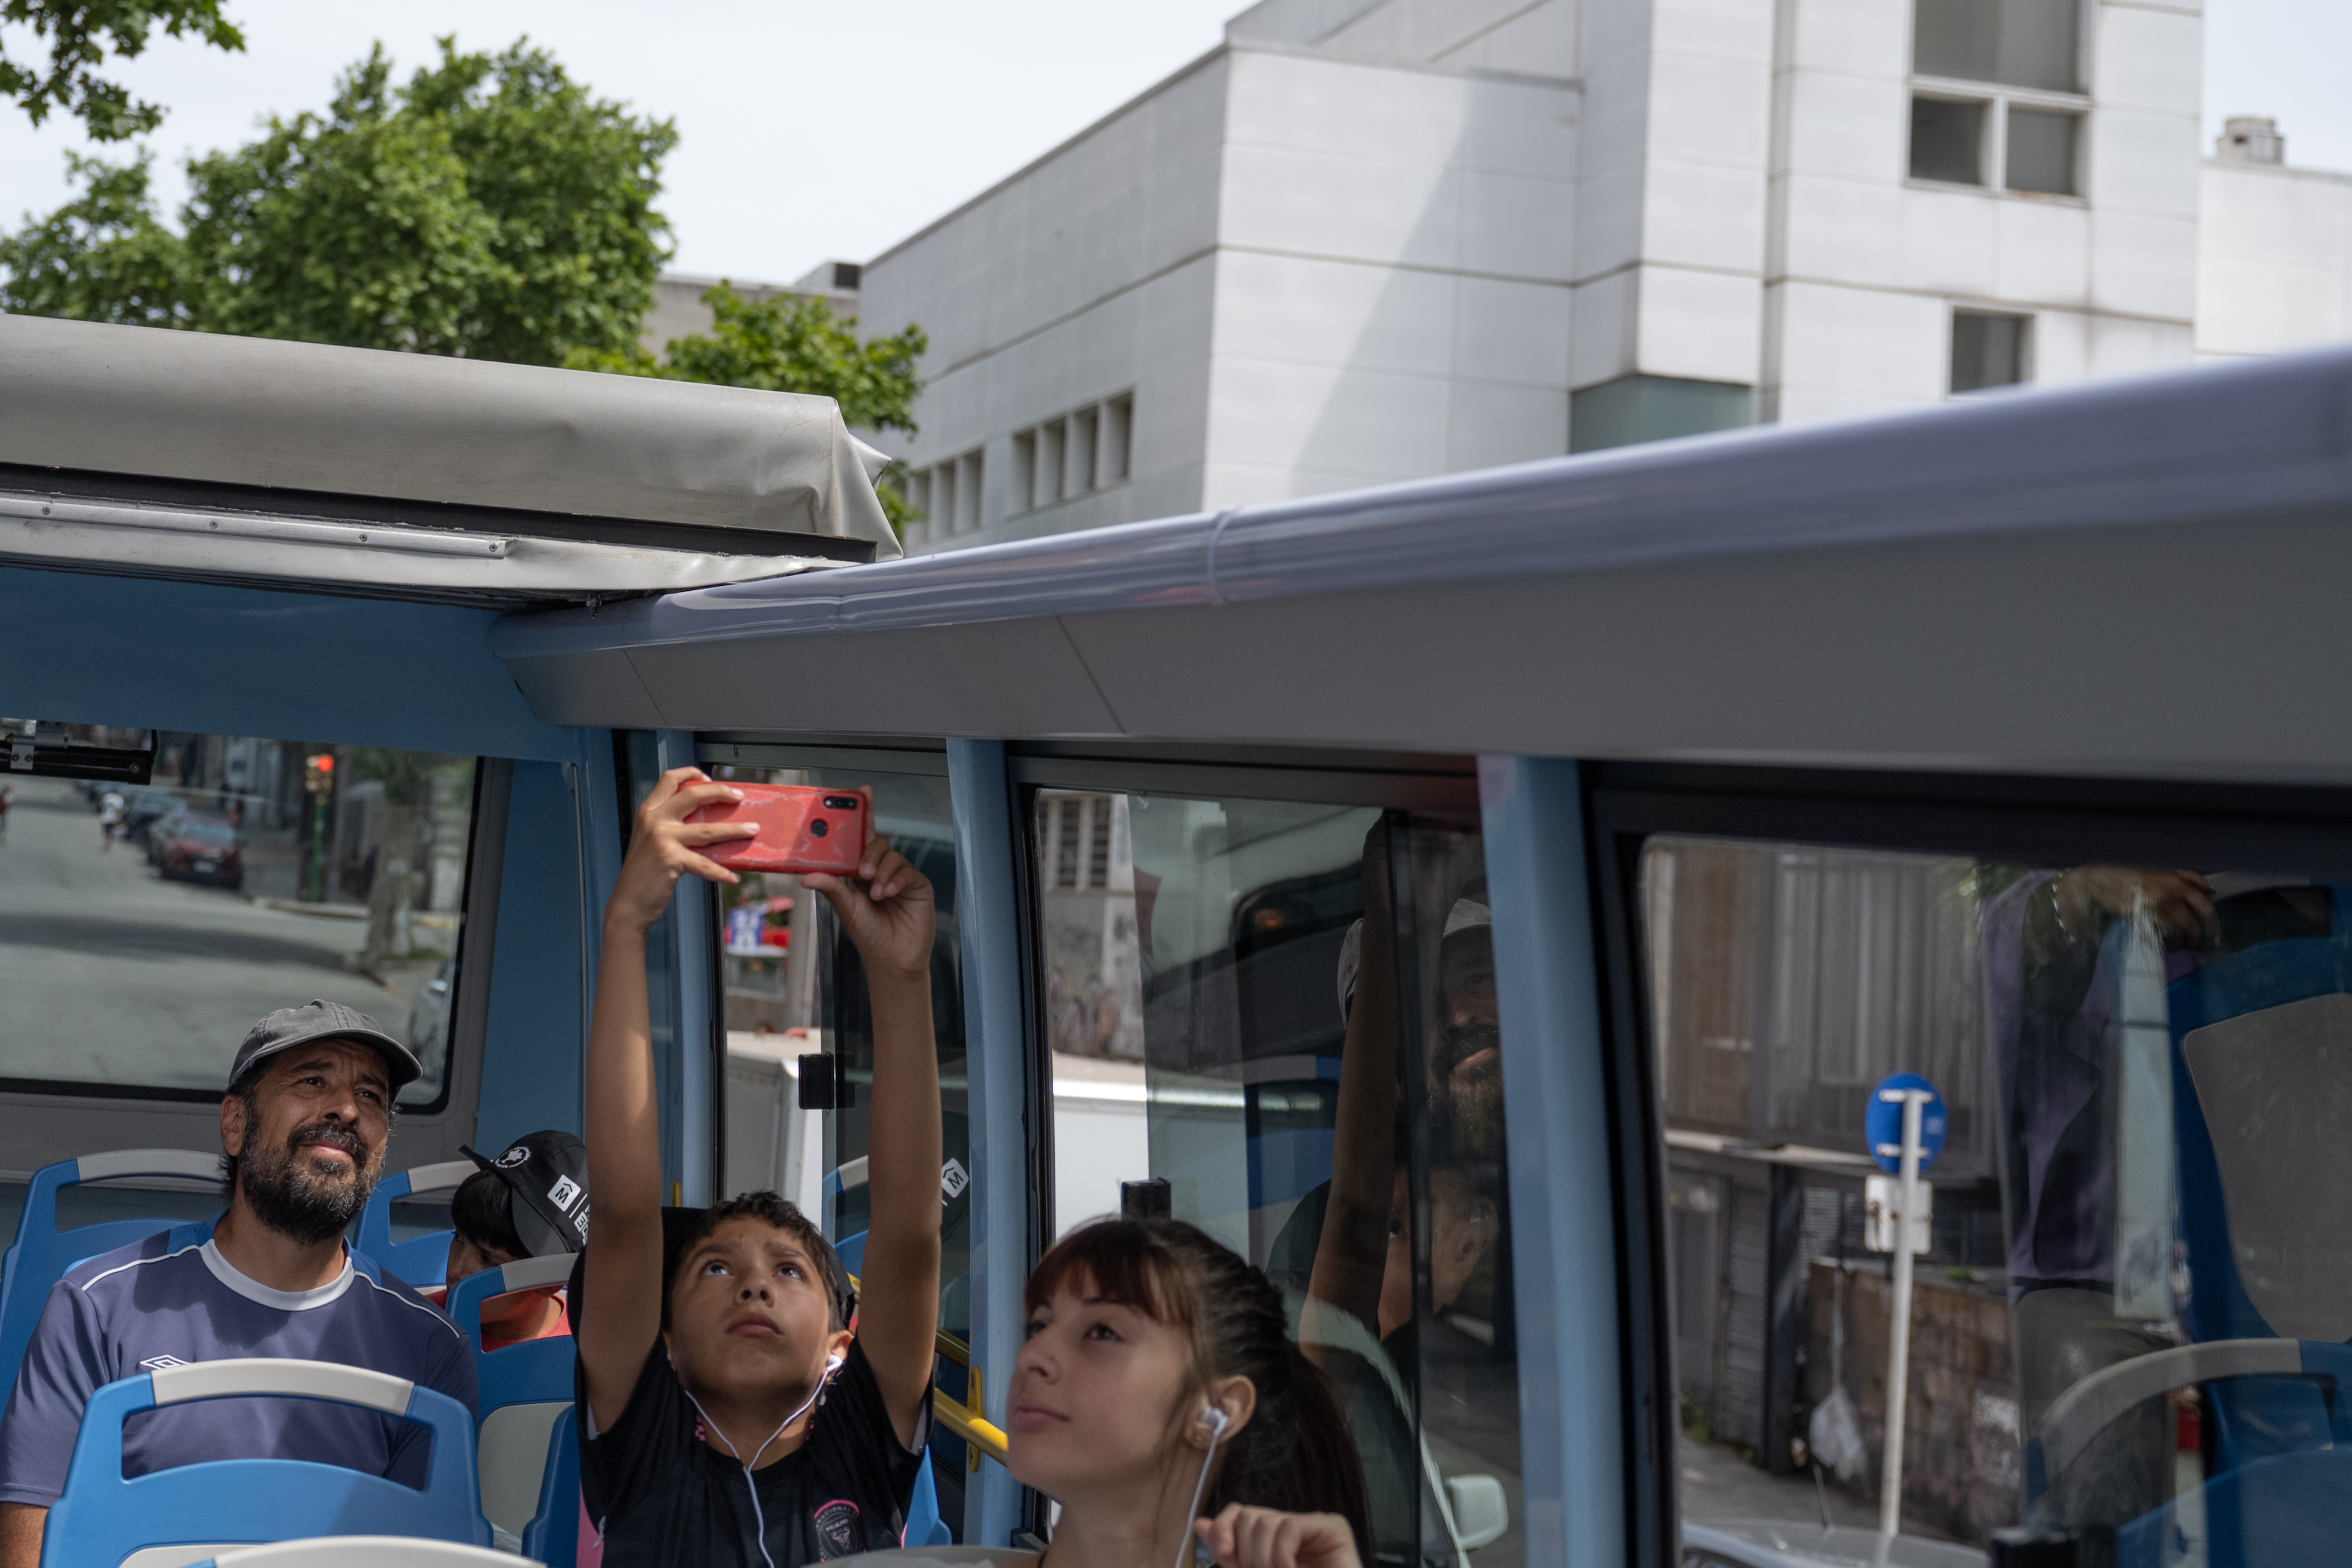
[887, 911]
[664, 846]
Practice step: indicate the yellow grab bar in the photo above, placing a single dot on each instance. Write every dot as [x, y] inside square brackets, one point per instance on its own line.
[964, 1420]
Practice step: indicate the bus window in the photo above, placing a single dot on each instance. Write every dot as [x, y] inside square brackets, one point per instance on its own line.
[2139, 1207]
[793, 987]
[145, 927]
[1277, 1020]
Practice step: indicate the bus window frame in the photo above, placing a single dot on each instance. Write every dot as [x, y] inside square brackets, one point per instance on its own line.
[2030, 820]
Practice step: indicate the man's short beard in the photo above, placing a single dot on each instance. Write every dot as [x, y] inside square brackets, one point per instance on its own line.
[289, 1197]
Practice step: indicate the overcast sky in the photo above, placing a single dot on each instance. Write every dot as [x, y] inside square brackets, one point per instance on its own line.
[814, 130]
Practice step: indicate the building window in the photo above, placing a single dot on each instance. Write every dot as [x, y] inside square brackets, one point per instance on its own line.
[2018, 43]
[1076, 454]
[2042, 150]
[1988, 350]
[968, 480]
[948, 494]
[1947, 141]
[1637, 408]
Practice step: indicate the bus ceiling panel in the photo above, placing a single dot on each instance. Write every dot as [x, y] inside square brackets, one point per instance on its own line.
[2220, 444]
[2193, 651]
[78, 649]
[995, 678]
[261, 415]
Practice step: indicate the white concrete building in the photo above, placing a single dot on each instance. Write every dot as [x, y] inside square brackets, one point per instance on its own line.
[1368, 240]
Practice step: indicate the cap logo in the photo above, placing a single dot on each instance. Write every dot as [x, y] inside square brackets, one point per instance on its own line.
[563, 1192]
[953, 1180]
[513, 1157]
[580, 1222]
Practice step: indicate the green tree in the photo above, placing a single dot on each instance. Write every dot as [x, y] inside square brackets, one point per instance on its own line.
[80, 34]
[790, 343]
[489, 208]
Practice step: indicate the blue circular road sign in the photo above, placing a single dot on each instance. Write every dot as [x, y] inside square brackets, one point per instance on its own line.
[1882, 1124]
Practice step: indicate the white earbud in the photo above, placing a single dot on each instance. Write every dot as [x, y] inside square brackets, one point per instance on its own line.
[1216, 1421]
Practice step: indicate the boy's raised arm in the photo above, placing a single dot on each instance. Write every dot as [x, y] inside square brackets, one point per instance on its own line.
[888, 912]
[625, 1239]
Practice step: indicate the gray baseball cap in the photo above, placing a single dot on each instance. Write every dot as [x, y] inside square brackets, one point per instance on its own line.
[291, 1027]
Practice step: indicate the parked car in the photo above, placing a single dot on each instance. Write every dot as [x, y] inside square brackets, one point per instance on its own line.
[158, 830]
[200, 849]
[142, 809]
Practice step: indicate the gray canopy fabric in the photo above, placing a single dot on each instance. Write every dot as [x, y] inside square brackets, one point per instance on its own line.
[415, 427]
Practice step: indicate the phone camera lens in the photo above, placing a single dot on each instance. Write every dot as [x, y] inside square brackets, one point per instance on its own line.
[819, 828]
[841, 802]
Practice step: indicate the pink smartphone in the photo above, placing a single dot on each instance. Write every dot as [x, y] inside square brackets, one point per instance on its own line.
[803, 828]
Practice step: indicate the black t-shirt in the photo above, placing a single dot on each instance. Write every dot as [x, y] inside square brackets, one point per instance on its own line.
[663, 1498]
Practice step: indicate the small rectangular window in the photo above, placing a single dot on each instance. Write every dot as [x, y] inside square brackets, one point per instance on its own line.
[968, 479]
[1025, 471]
[1098, 841]
[2042, 150]
[1947, 141]
[2021, 43]
[1081, 472]
[1987, 349]
[1050, 441]
[1118, 437]
[943, 499]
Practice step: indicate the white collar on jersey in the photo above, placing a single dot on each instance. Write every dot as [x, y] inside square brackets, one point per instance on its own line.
[254, 1290]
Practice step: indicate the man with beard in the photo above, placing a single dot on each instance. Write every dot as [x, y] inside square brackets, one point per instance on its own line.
[303, 1129]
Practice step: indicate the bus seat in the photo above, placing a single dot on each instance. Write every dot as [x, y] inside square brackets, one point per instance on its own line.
[2252, 1178]
[43, 1253]
[360, 1552]
[187, 1514]
[851, 1250]
[924, 1525]
[2255, 1514]
[553, 1537]
[525, 1389]
[426, 1260]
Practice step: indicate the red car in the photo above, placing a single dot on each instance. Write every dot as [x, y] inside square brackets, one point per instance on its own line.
[201, 848]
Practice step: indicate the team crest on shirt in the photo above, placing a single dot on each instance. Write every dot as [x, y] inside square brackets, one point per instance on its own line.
[837, 1530]
[162, 1362]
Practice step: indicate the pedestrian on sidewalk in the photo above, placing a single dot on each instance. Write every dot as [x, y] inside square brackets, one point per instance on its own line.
[109, 817]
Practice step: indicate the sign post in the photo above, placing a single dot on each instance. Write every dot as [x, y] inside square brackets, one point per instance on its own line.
[1919, 1138]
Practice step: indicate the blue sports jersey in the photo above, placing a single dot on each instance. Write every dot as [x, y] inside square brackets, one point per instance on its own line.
[171, 1299]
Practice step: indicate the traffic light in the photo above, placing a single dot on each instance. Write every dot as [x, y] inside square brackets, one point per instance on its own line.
[319, 774]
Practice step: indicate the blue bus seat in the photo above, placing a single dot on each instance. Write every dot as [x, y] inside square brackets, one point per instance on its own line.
[360, 1552]
[2262, 1418]
[102, 1519]
[43, 1253]
[552, 1536]
[424, 1260]
[924, 1526]
[525, 1390]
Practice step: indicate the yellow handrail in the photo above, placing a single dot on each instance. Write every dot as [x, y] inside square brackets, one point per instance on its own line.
[965, 1424]
[965, 1419]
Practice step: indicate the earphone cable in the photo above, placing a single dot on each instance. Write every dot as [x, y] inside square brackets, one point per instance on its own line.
[1216, 1421]
[750, 1483]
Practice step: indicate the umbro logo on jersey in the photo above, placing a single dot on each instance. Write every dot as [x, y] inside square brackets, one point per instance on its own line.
[162, 1362]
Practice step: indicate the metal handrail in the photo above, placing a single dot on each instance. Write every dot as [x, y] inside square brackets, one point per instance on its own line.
[963, 1419]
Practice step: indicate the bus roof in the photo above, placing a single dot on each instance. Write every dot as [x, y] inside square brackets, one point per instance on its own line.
[2132, 577]
[175, 453]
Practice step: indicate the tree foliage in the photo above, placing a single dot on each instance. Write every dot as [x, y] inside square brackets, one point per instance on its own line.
[80, 34]
[489, 208]
[788, 342]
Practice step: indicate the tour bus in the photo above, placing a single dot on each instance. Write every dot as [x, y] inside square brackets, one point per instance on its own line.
[1692, 793]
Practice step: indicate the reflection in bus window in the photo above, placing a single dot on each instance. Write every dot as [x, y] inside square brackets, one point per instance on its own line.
[1285, 1014]
[792, 988]
[145, 927]
[2133, 1309]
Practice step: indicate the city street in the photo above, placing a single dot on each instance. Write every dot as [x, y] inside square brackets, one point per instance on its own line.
[112, 974]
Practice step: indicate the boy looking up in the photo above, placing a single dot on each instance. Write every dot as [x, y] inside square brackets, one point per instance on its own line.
[729, 1419]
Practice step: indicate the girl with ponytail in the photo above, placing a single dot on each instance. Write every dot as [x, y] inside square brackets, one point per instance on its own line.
[1159, 1400]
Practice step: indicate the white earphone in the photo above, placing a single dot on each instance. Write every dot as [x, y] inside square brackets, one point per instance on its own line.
[1215, 1419]
[833, 1363]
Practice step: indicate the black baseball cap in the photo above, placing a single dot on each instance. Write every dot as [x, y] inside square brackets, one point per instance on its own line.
[548, 1173]
[291, 1027]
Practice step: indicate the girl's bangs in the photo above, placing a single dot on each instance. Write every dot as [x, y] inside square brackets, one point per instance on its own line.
[1123, 1261]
